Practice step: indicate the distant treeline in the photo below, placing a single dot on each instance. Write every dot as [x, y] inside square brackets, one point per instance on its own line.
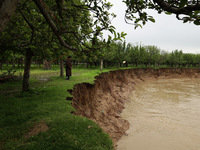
[140, 56]
[116, 55]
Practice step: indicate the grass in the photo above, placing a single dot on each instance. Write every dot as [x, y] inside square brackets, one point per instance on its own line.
[45, 102]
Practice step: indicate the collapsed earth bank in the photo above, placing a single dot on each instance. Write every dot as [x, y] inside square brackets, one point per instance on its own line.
[104, 100]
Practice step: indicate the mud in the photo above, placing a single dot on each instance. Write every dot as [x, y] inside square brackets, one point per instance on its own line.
[104, 100]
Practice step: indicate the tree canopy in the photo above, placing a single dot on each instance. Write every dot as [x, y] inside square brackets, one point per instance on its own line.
[185, 10]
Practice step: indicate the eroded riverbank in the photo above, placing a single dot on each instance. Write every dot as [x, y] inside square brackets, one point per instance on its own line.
[104, 101]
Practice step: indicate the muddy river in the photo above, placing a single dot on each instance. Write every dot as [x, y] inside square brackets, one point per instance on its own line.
[164, 114]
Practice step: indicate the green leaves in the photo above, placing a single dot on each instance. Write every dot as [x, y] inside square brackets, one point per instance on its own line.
[111, 30]
[168, 13]
[183, 3]
[123, 35]
[197, 22]
[137, 14]
[151, 19]
[119, 36]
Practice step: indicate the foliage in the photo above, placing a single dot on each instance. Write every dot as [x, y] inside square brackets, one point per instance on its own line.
[187, 11]
[9, 75]
[139, 55]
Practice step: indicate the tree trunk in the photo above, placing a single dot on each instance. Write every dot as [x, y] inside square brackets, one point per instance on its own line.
[46, 65]
[101, 64]
[27, 68]
[18, 63]
[1, 65]
[61, 68]
[7, 8]
[126, 64]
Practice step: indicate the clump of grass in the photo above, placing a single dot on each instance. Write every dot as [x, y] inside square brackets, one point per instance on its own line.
[46, 101]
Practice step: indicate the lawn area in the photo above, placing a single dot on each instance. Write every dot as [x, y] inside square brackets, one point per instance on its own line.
[41, 119]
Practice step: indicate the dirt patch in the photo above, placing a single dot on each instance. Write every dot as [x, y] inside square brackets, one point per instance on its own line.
[104, 100]
[40, 127]
[9, 91]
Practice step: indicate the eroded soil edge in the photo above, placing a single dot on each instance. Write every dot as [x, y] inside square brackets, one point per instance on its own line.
[104, 100]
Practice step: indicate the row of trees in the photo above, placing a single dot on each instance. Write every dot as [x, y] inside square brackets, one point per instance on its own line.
[136, 55]
[112, 55]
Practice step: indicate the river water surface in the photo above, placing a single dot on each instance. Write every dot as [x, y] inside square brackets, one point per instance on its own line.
[163, 114]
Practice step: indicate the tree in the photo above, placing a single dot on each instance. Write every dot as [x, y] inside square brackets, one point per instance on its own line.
[189, 59]
[7, 9]
[197, 59]
[108, 54]
[120, 52]
[187, 11]
[163, 58]
[153, 54]
[60, 8]
[101, 20]
[134, 54]
[176, 58]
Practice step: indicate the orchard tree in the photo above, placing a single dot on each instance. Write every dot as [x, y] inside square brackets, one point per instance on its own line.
[163, 57]
[153, 54]
[176, 58]
[197, 59]
[120, 52]
[108, 54]
[188, 59]
[134, 54]
[33, 39]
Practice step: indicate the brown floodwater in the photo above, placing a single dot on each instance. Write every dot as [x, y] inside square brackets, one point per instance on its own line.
[163, 114]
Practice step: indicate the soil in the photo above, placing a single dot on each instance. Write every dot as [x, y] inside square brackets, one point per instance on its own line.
[40, 127]
[104, 100]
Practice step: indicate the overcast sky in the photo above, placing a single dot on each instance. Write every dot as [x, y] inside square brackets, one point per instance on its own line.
[167, 33]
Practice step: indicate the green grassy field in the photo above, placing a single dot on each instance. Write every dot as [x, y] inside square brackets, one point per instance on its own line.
[45, 106]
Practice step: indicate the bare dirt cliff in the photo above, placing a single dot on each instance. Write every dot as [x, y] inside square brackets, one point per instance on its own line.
[104, 100]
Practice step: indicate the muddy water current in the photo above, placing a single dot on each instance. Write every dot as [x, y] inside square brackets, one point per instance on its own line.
[163, 114]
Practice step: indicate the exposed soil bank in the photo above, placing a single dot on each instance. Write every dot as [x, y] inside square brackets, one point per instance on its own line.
[104, 100]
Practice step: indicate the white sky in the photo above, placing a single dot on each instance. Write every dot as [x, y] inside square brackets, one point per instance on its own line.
[167, 33]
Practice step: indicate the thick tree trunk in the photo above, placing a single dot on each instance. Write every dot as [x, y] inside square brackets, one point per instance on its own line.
[7, 8]
[27, 68]
[61, 68]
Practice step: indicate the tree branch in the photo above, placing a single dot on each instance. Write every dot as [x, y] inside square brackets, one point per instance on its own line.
[173, 9]
[31, 26]
[52, 24]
